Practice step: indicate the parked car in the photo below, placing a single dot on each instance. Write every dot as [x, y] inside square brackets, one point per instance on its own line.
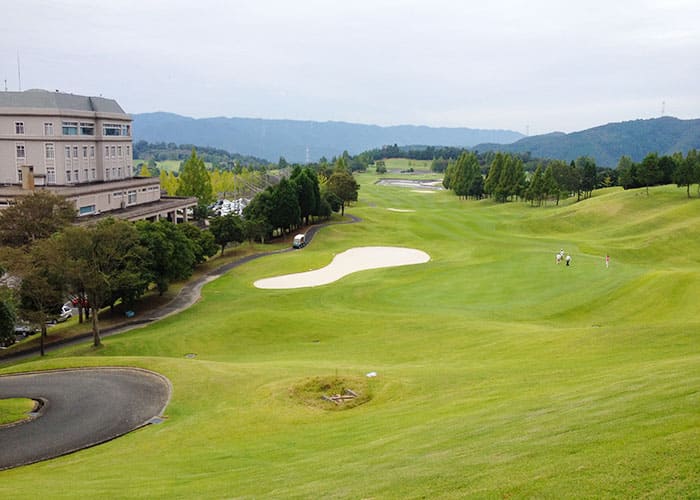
[64, 315]
[25, 328]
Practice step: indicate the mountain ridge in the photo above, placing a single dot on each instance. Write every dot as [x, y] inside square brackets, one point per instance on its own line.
[274, 138]
[607, 143]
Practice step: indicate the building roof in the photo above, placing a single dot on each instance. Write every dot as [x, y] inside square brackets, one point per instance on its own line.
[37, 98]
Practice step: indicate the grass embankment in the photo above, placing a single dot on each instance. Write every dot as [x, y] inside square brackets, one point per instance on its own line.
[499, 373]
[151, 301]
[14, 410]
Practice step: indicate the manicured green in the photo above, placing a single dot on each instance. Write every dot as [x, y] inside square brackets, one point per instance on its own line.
[14, 409]
[499, 373]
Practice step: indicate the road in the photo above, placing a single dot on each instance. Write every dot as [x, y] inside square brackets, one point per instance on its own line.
[81, 408]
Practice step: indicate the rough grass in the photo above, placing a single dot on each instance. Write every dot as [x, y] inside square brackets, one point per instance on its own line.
[14, 409]
[500, 374]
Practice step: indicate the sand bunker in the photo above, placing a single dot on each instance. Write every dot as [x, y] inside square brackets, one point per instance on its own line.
[422, 191]
[402, 210]
[348, 262]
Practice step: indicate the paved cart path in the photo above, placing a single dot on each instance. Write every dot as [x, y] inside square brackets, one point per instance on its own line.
[81, 408]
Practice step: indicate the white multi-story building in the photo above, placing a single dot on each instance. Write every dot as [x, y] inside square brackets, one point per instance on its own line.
[79, 147]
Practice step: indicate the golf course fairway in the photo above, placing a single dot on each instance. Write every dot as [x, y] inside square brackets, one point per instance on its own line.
[498, 372]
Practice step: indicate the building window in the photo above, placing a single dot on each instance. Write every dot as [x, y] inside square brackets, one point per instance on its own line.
[50, 151]
[131, 197]
[126, 130]
[85, 152]
[111, 129]
[19, 175]
[75, 175]
[20, 153]
[128, 151]
[106, 174]
[51, 176]
[85, 174]
[68, 176]
[92, 151]
[87, 209]
[48, 128]
[114, 152]
[87, 128]
[114, 173]
[106, 151]
[119, 172]
[67, 149]
[70, 128]
[75, 151]
[19, 128]
[119, 151]
[93, 174]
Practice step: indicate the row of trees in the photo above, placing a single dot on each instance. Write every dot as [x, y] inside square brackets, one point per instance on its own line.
[99, 265]
[507, 178]
[658, 170]
[284, 207]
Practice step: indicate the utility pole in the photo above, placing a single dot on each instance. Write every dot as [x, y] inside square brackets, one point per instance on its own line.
[19, 74]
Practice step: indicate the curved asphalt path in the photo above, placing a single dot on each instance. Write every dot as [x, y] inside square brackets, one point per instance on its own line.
[81, 408]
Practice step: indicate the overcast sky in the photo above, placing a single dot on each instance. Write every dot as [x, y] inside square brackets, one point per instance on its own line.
[533, 66]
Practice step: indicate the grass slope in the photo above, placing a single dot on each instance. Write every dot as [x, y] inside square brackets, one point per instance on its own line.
[499, 372]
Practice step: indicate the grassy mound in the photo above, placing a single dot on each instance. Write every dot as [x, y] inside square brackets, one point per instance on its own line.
[331, 393]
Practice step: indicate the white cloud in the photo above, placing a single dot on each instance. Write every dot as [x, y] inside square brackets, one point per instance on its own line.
[502, 64]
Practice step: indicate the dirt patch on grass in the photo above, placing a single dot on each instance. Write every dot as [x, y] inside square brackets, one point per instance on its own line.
[323, 392]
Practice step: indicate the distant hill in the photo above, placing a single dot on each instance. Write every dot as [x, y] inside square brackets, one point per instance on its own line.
[270, 139]
[607, 143]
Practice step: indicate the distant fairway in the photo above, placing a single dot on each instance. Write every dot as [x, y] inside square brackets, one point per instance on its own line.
[499, 373]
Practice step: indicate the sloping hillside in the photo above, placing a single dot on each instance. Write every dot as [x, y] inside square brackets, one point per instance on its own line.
[270, 139]
[608, 143]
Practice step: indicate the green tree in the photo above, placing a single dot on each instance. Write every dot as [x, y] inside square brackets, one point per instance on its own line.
[586, 172]
[309, 194]
[171, 254]
[105, 262]
[535, 189]
[227, 229]
[494, 176]
[34, 217]
[7, 320]
[169, 182]
[550, 187]
[343, 185]
[144, 172]
[627, 173]
[649, 171]
[563, 176]
[194, 180]
[285, 213]
[203, 242]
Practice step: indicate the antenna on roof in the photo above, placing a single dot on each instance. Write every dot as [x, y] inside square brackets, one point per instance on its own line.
[19, 75]
[663, 108]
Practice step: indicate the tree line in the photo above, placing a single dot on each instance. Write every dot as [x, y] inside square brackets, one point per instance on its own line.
[656, 170]
[506, 177]
[98, 265]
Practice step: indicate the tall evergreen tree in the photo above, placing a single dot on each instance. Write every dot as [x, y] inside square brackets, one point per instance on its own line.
[194, 180]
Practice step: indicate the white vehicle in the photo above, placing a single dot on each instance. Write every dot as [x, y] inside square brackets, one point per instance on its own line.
[299, 241]
[65, 314]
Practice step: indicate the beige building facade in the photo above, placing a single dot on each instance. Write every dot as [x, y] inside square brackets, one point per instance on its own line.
[79, 147]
